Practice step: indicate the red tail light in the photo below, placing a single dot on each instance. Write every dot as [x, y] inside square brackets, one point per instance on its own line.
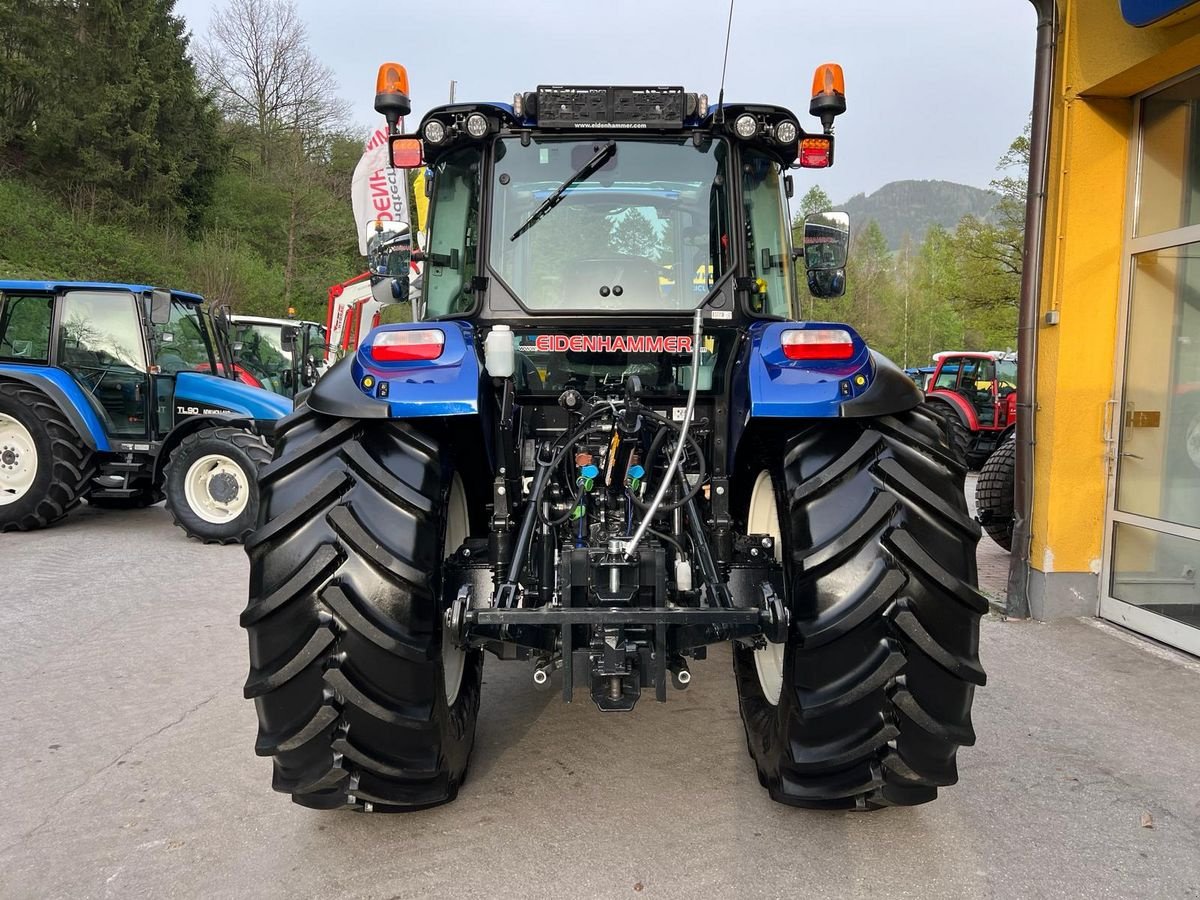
[407, 346]
[815, 153]
[817, 344]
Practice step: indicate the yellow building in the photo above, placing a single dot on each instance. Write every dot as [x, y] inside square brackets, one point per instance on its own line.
[1115, 520]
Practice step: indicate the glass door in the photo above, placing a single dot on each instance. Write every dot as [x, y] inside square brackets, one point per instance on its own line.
[100, 345]
[1150, 580]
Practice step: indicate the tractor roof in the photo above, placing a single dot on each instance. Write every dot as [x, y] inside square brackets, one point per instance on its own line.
[10, 285]
[637, 111]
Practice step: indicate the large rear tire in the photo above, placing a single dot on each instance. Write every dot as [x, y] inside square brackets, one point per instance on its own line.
[958, 434]
[995, 492]
[362, 699]
[44, 464]
[866, 704]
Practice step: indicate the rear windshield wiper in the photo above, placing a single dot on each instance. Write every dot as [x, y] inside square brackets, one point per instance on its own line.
[607, 152]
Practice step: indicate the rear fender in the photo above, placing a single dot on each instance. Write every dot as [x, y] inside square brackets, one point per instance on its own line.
[769, 387]
[360, 387]
[68, 396]
[956, 401]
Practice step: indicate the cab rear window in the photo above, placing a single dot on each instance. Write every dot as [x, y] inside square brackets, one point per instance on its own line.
[25, 327]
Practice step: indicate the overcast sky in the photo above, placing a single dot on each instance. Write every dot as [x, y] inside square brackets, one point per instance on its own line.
[935, 88]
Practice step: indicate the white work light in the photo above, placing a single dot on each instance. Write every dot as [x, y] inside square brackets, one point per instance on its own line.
[477, 125]
[434, 131]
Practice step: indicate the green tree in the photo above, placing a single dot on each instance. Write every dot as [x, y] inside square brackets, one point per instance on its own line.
[870, 276]
[635, 235]
[129, 131]
[814, 201]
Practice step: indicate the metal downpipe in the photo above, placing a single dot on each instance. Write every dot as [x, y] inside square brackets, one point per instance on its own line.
[1029, 319]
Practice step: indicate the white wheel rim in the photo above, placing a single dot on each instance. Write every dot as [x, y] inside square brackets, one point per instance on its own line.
[458, 525]
[18, 460]
[763, 518]
[216, 489]
[1192, 442]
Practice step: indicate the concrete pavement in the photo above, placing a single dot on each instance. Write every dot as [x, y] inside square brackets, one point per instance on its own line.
[127, 765]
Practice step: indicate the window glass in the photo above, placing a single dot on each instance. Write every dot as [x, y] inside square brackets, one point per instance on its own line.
[1159, 465]
[100, 344]
[262, 353]
[181, 344]
[1156, 572]
[25, 328]
[645, 229]
[453, 235]
[100, 330]
[948, 376]
[1169, 189]
[768, 235]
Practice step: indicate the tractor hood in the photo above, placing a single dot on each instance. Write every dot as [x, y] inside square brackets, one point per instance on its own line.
[198, 393]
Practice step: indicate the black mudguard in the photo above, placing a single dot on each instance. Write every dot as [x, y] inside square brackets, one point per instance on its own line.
[336, 394]
[890, 392]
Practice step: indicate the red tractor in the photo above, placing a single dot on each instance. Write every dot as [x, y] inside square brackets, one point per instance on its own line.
[979, 390]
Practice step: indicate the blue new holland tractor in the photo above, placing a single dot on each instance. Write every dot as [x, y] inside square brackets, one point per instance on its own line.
[583, 456]
[108, 393]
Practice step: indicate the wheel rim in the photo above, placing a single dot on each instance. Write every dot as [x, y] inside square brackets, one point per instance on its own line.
[763, 518]
[1192, 441]
[216, 489]
[458, 524]
[18, 460]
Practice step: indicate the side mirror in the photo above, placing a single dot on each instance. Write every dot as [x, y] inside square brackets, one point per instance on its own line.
[386, 289]
[827, 283]
[288, 338]
[223, 320]
[826, 241]
[389, 256]
[160, 307]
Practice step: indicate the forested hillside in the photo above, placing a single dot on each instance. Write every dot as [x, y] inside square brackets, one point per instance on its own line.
[911, 208]
[130, 152]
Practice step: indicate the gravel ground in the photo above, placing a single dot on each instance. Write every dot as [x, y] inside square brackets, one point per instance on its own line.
[127, 763]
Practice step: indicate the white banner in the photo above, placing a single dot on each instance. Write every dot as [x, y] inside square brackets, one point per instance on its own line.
[377, 189]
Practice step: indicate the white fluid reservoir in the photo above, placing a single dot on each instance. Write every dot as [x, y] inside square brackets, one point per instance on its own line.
[499, 357]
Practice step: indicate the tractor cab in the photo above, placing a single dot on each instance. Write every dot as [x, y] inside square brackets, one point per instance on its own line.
[133, 371]
[282, 355]
[981, 391]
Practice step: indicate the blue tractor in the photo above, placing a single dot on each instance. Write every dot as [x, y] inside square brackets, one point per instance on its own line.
[574, 458]
[108, 394]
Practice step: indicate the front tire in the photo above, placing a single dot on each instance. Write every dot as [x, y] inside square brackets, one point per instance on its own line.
[211, 483]
[866, 704]
[44, 464]
[362, 699]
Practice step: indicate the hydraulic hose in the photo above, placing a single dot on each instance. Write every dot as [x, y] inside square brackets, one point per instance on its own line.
[680, 445]
[689, 491]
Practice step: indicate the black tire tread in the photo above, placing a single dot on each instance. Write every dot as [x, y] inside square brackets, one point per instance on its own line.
[344, 619]
[73, 461]
[883, 659]
[995, 492]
